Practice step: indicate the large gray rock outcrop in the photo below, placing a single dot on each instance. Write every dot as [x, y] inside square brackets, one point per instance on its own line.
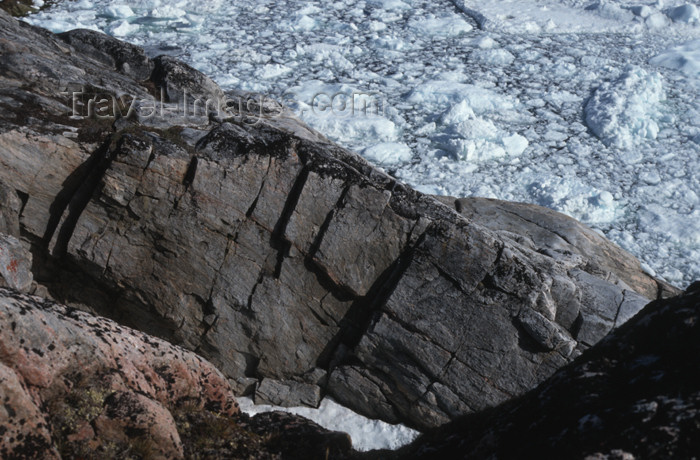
[636, 394]
[558, 235]
[252, 240]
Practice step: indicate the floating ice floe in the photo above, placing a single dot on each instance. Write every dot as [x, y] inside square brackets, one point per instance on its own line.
[474, 139]
[687, 13]
[119, 11]
[343, 113]
[626, 111]
[388, 153]
[446, 26]
[685, 58]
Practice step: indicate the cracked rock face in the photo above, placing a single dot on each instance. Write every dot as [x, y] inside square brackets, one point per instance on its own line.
[636, 394]
[254, 241]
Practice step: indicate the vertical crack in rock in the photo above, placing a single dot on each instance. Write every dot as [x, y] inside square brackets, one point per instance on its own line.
[619, 307]
[80, 199]
[251, 209]
[278, 241]
[71, 186]
[362, 311]
[191, 172]
[310, 264]
[258, 282]
[313, 249]
[24, 197]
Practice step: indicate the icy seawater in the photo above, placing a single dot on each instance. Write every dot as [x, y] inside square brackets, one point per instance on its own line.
[590, 108]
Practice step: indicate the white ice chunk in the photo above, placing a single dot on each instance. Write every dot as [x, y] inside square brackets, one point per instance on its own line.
[434, 95]
[610, 10]
[643, 11]
[486, 43]
[626, 111]
[343, 113]
[168, 11]
[515, 144]
[305, 23]
[448, 26]
[389, 4]
[475, 139]
[494, 57]
[573, 197]
[650, 177]
[685, 58]
[684, 13]
[269, 71]
[122, 28]
[119, 11]
[386, 153]
[656, 21]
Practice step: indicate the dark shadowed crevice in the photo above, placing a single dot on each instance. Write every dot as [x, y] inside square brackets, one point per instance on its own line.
[340, 203]
[277, 239]
[322, 276]
[251, 208]
[71, 185]
[576, 326]
[191, 172]
[23, 198]
[619, 307]
[91, 182]
[363, 310]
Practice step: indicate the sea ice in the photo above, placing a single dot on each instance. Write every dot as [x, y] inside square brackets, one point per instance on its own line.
[447, 26]
[685, 13]
[122, 28]
[388, 153]
[119, 11]
[685, 58]
[626, 111]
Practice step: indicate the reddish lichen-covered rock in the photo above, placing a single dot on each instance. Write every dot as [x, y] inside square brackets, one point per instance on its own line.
[15, 264]
[96, 383]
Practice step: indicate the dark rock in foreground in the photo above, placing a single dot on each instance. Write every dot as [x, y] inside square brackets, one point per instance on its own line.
[236, 231]
[636, 394]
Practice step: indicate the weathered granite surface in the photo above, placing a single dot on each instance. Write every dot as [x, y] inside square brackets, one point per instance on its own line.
[72, 383]
[636, 394]
[15, 264]
[245, 236]
[558, 235]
